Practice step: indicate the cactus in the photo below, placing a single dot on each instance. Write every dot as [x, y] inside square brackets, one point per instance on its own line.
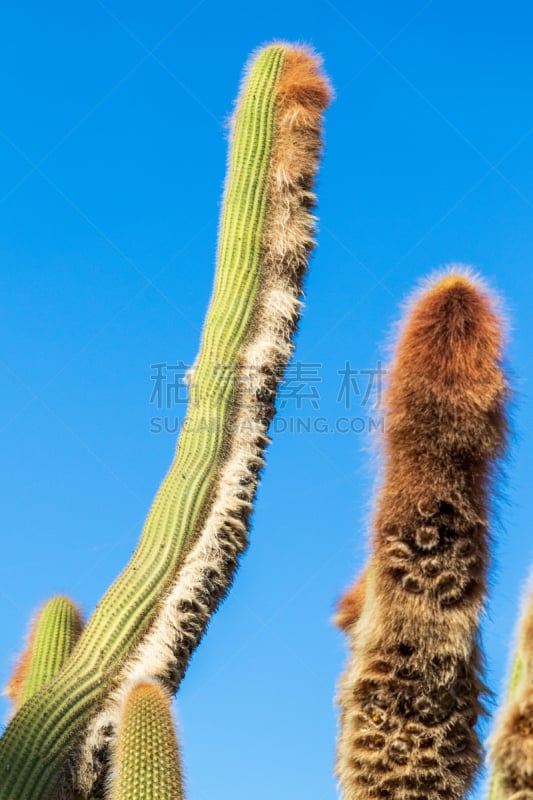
[411, 693]
[146, 762]
[92, 708]
[154, 614]
[351, 604]
[53, 633]
[512, 741]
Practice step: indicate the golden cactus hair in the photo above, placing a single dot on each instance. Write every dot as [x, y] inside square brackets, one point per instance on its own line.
[350, 606]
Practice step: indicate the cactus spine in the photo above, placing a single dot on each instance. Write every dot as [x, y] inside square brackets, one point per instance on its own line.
[146, 762]
[512, 741]
[154, 614]
[410, 696]
[51, 639]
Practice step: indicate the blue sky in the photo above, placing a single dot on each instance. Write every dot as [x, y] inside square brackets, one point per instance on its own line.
[112, 153]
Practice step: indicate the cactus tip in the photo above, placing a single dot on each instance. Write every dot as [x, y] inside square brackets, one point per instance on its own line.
[303, 81]
[350, 605]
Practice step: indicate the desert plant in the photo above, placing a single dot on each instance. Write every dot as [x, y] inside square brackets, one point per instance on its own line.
[154, 614]
[411, 694]
[51, 638]
[512, 740]
[146, 762]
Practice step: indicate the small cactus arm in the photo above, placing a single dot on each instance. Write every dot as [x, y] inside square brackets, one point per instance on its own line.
[146, 763]
[153, 616]
[410, 695]
[351, 604]
[512, 740]
[52, 635]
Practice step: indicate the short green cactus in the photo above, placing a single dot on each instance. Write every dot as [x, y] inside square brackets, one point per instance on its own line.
[154, 614]
[51, 639]
[146, 761]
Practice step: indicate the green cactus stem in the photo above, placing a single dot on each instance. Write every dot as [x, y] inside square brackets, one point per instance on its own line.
[411, 694]
[512, 740]
[155, 613]
[146, 764]
[53, 633]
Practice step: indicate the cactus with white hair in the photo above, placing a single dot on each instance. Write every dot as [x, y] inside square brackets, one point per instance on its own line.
[155, 613]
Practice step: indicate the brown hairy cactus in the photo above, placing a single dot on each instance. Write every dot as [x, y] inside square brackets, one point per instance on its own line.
[410, 696]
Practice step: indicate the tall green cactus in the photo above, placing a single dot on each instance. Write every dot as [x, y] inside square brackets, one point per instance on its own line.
[410, 696]
[154, 614]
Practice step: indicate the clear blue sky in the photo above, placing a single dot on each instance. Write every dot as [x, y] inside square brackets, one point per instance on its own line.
[112, 152]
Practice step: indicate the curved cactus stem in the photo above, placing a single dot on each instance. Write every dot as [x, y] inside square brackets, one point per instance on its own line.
[511, 743]
[53, 633]
[156, 611]
[410, 696]
[146, 764]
